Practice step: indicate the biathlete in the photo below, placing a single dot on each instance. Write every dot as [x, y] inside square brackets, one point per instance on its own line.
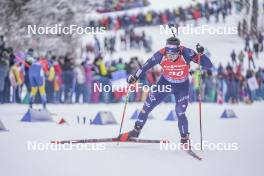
[174, 60]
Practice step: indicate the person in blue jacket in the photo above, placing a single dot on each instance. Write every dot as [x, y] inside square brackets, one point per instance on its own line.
[175, 62]
[36, 74]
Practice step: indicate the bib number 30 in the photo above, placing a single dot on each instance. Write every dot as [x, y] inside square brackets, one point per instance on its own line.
[177, 73]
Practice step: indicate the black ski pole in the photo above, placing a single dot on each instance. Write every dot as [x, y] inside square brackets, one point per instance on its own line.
[200, 99]
[171, 26]
[124, 111]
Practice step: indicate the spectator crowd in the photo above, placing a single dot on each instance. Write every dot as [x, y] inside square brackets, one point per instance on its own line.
[119, 5]
[127, 41]
[71, 81]
[208, 9]
[68, 81]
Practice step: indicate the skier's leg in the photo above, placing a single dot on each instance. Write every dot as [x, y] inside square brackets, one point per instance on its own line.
[152, 101]
[182, 98]
[154, 98]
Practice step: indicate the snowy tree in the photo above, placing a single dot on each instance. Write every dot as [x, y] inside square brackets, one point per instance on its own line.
[254, 17]
[16, 15]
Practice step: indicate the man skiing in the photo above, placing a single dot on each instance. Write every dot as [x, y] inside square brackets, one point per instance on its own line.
[175, 62]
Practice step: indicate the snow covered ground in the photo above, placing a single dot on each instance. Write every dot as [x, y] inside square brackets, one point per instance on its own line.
[132, 159]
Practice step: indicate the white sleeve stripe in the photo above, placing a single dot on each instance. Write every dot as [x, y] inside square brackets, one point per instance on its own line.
[138, 72]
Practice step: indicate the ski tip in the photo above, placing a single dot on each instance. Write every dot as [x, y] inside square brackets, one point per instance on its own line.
[200, 159]
[164, 141]
[194, 155]
[55, 142]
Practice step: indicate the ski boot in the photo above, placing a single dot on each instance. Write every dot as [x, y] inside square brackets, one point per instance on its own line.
[131, 134]
[185, 142]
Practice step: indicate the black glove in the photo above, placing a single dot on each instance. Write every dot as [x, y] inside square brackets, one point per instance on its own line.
[131, 79]
[199, 48]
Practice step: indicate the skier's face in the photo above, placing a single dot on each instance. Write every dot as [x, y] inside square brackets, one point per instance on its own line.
[172, 56]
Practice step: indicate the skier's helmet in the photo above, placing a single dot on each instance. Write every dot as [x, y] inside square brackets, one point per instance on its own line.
[172, 48]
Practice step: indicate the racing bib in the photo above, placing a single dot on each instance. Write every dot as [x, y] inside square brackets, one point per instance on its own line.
[177, 70]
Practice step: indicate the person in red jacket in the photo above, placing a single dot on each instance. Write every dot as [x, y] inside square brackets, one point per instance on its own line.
[250, 59]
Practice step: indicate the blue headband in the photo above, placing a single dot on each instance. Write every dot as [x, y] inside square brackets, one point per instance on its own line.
[172, 48]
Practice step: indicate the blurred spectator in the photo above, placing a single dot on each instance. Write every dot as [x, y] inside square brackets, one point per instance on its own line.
[50, 92]
[80, 83]
[89, 74]
[4, 67]
[68, 78]
[120, 65]
[247, 39]
[2, 43]
[57, 80]
[250, 59]
[233, 58]
[241, 57]
[260, 40]
[256, 47]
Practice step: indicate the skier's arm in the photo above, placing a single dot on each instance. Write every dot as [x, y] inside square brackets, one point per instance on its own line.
[198, 58]
[154, 60]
